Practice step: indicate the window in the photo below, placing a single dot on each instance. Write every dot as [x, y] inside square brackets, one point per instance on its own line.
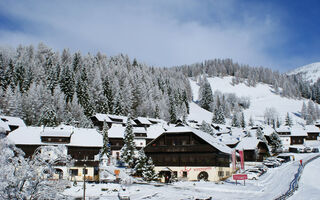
[175, 174]
[184, 174]
[220, 173]
[85, 171]
[73, 172]
[228, 174]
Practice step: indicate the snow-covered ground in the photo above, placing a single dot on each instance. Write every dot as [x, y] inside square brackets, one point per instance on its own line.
[270, 185]
[261, 97]
[309, 188]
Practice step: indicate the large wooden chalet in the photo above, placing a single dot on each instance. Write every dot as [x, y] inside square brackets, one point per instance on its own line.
[82, 145]
[190, 154]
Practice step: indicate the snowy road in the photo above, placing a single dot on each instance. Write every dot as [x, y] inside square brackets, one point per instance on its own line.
[309, 187]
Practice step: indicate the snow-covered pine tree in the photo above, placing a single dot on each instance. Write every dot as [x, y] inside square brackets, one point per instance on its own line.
[205, 127]
[260, 135]
[129, 148]
[288, 120]
[311, 110]
[304, 111]
[157, 112]
[242, 121]
[83, 93]
[186, 101]
[48, 118]
[317, 112]
[105, 150]
[235, 120]
[278, 124]
[218, 116]
[251, 122]
[275, 142]
[172, 110]
[67, 83]
[141, 163]
[107, 91]
[148, 172]
[205, 95]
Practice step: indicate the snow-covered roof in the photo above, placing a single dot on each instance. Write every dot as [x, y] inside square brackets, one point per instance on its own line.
[112, 118]
[222, 128]
[4, 125]
[102, 117]
[248, 143]
[298, 131]
[86, 137]
[32, 136]
[139, 130]
[59, 131]
[154, 131]
[228, 139]
[26, 136]
[267, 130]
[283, 129]
[143, 120]
[117, 131]
[205, 136]
[312, 129]
[14, 121]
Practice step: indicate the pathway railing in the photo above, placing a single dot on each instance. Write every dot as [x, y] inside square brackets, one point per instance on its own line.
[294, 183]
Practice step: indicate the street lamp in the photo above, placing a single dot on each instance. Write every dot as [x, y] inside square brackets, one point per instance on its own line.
[84, 181]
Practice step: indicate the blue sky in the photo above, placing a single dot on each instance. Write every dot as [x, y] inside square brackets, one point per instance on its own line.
[281, 34]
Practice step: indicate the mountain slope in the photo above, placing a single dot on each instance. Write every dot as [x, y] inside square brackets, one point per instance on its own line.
[261, 97]
[309, 72]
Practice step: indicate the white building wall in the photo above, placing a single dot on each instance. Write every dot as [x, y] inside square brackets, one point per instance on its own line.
[285, 141]
[193, 172]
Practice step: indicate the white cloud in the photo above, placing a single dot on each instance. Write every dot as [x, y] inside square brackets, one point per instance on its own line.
[161, 34]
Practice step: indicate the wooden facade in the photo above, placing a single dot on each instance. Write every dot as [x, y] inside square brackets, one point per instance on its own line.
[253, 155]
[312, 136]
[185, 149]
[297, 140]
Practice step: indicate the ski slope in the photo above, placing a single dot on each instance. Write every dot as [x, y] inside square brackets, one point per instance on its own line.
[309, 72]
[261, 97]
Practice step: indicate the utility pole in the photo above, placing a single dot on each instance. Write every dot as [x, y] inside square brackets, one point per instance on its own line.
[84, 181]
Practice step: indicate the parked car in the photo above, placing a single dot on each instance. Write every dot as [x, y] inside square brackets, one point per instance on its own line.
[281, 160]
[274, 159]
[285, 158]
[255, 170]
[123, 194]
[315, 150]
[262, 167]
[252, 175]
[308, 150]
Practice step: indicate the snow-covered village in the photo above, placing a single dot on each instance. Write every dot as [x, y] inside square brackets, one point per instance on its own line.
[174, 100]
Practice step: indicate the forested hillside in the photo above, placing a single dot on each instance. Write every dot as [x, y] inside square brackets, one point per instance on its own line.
[46, 87]
[293, 86]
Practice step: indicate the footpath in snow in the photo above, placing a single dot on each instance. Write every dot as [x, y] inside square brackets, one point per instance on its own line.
[309, 187]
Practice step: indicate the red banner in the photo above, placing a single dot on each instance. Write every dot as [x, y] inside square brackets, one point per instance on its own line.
[241, 159]
[239, 176]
